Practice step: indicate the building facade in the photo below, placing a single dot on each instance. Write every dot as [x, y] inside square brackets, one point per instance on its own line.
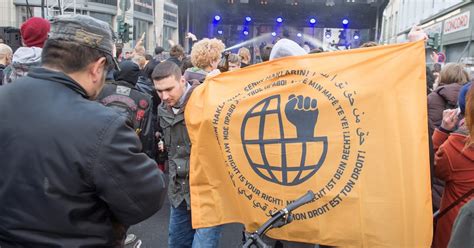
[145, 17]
[167, 14]
[449, 24]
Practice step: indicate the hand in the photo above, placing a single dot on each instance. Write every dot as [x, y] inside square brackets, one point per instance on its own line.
[302, 112]
[416, 34]
[171, 42]
[143, 36]
[191, 36]
[158, 135]
[450, 119]
[161, 146]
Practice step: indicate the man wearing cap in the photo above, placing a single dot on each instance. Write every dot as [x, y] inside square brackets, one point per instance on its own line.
[73, 174]
[34, 33]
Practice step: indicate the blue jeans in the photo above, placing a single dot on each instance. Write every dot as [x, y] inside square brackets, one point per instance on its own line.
[182, 235]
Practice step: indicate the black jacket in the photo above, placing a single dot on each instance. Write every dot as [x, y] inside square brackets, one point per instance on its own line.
[137, 106]
[175, 60]
[72, 174]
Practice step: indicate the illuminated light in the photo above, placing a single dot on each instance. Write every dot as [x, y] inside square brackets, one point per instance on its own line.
[219, 31]
[248, 19]
[299, 35]
[328, 34]
[279, 20]
[356, 35]
[312, 21]
[274, 34]
[217, 18]
[246, 32]
[345, 21]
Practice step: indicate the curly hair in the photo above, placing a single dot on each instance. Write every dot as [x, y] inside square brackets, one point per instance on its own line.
[206, 51]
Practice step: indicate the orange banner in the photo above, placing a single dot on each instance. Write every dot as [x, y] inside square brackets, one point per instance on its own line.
[349, 125]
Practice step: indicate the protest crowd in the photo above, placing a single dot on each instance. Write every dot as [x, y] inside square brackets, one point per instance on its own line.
[93, 140]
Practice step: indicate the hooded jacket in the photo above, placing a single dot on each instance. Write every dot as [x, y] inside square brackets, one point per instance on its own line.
[454, 164]
[195, 73]
[443, 97]
[463, 229]
[129, 72]
[285, 48]
[23, 60]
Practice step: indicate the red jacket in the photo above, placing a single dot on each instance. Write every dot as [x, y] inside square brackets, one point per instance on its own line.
[455, 165]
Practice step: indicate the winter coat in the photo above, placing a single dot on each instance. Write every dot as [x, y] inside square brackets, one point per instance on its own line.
[124, 97]
[195, 73]
[444, 97]
[73, 174]
[178, 145]
[454, 164]
[175, 60]
[23, 60]
[463, 228]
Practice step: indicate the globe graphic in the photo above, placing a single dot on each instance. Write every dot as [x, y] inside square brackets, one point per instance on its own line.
[284, 160]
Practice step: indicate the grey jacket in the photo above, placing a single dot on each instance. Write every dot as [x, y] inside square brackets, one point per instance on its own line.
[178, 145]
[463, 228]
[23, 60]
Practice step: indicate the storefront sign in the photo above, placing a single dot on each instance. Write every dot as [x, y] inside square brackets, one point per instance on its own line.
[457, 23]
[433, 29]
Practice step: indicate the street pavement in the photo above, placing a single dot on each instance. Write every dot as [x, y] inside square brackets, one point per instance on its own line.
[153, 232]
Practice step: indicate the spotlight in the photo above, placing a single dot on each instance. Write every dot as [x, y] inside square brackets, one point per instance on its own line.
[217, 18]
[328, 34]
[219, 31]
[345, 21]
[274, 34]
[312, 21]
[356, 35]
[248, 19]
[299, 35]
[279, 20]
[246, 32]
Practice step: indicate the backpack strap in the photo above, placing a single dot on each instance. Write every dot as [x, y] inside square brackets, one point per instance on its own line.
[440, 214]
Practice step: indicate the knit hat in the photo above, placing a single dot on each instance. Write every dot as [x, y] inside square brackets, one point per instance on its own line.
[34, 32]
[129, 72]
[462, 97]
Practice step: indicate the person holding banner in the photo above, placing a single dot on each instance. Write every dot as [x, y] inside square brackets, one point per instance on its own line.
[454, 164]
[174, 92]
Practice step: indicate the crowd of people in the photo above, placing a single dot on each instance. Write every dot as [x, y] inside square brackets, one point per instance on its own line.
[83, 131]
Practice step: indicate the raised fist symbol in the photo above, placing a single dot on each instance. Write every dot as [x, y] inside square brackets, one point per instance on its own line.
[302, 112]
